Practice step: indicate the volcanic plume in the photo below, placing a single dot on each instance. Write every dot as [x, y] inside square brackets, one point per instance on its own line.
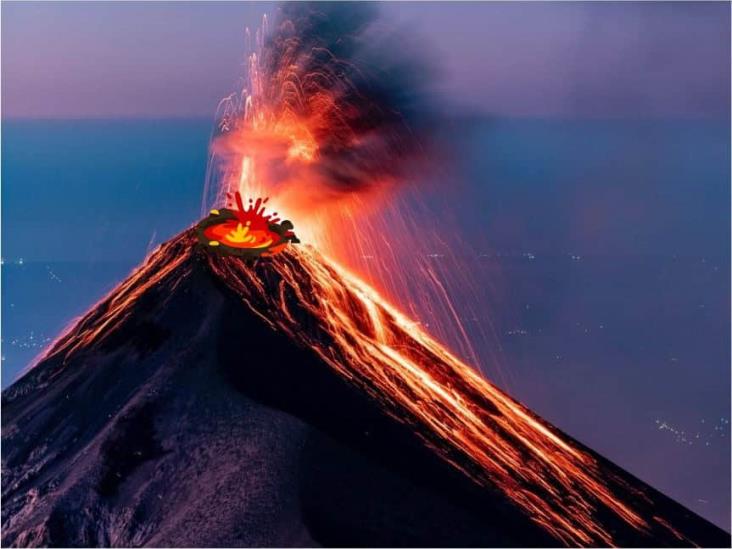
[331, 105]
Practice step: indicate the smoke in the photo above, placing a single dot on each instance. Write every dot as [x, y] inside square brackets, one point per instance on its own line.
[334, 103]
[378, 84]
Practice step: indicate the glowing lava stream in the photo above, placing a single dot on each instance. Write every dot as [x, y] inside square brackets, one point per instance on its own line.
[464, 417]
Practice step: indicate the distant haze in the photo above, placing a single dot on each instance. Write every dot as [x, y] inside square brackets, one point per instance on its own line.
[178, 59]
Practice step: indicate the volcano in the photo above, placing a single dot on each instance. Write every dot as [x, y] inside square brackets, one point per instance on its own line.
[211, 401]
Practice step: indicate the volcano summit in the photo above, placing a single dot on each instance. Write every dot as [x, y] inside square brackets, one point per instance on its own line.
[207, 401]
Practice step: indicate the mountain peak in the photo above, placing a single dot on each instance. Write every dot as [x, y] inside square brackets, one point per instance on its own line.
[210, 401]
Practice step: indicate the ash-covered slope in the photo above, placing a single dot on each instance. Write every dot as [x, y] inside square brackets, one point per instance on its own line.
[205, 402]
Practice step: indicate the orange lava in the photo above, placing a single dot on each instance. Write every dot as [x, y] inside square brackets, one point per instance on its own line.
[228, 232]
[244, 228]
[472, 424]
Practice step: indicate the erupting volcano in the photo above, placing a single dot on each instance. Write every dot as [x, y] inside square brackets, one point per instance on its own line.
[210, 400]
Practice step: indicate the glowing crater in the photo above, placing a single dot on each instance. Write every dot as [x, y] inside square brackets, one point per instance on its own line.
[246, 232]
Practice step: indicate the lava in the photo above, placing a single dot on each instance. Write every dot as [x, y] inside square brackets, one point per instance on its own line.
[246, 232]
[469, 421]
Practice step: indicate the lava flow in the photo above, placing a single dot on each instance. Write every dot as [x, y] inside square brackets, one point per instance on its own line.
[576, 496]
[467, 420]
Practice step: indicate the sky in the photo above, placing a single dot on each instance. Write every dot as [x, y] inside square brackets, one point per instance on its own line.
[178, 59]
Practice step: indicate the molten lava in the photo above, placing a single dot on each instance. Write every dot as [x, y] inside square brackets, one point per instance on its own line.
[471, 423]
[246, 232]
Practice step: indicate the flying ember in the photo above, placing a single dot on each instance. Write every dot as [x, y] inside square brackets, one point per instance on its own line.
[246, 232]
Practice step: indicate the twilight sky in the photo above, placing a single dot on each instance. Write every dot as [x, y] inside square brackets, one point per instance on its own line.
[154, 59]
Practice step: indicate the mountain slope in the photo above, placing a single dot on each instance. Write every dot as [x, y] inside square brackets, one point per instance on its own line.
[207, 402]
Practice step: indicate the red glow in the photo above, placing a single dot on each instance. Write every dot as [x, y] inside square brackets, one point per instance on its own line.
[238, 235]
[254, 213]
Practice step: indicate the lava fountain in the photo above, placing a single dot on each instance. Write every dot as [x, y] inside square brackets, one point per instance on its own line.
[335, 122]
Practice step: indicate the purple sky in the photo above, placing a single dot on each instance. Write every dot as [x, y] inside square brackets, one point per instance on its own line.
[149, 59]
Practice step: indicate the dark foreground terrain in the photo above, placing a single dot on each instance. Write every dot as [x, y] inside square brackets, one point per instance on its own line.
[174, 414]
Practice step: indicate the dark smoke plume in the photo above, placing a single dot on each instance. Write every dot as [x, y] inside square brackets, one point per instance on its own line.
[339, 56]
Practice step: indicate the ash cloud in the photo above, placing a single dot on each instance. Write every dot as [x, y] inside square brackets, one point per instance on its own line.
[383, 112]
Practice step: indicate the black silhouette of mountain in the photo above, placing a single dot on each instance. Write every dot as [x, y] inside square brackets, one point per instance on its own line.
[210, 402]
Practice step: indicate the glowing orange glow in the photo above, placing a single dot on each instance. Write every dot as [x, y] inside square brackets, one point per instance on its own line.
[233, 233]
[250, 229]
